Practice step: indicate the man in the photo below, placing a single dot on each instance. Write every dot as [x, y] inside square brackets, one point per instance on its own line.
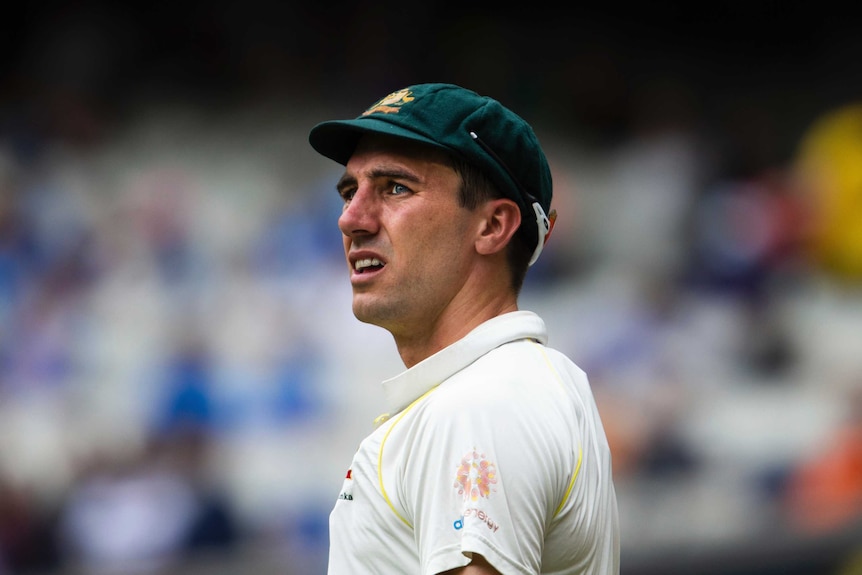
[494, 459]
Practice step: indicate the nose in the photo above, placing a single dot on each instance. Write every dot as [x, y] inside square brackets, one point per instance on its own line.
[360, 215]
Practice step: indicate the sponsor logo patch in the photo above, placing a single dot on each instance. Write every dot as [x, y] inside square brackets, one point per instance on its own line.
[347, 487]
[478, 514]
[475, 476]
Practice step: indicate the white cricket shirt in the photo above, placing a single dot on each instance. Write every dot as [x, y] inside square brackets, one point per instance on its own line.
[494, 446]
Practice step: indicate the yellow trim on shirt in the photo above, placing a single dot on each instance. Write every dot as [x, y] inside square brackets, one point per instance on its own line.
[380, 456]
[580, 449]
[571, 483]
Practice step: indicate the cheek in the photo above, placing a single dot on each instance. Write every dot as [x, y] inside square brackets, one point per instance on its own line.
[441, 237]
[427, 232]
[431, 236]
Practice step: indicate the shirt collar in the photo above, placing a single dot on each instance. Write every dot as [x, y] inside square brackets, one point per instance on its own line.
[405, 387]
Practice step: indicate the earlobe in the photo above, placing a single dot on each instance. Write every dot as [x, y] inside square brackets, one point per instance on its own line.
[500, 221]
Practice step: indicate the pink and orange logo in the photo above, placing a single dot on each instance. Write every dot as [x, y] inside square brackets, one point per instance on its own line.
[475, 477]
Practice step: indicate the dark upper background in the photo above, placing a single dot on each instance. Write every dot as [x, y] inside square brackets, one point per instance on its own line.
[751, 75]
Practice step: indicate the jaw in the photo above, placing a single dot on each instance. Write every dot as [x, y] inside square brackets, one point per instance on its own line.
[373, 309]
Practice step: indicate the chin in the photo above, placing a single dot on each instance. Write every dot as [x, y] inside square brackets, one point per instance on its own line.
[364, 312]
[372, 313]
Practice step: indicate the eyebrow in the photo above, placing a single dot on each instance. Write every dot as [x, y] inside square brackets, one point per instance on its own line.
[377, 173]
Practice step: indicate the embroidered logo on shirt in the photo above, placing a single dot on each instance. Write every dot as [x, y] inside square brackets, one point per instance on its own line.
[475, 477]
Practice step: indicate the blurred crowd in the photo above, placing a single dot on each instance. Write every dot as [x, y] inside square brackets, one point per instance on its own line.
[180, 374]
[182, 381]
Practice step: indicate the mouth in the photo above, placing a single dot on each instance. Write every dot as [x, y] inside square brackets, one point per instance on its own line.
[366, 265]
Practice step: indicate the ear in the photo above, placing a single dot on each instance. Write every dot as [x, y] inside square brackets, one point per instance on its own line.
[499, 221]
[552, 219]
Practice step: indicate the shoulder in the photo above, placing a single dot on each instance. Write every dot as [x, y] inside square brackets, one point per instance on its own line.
[521, 367]
[513, 383]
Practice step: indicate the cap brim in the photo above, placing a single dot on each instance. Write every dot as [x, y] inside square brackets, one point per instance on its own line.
[337, 139]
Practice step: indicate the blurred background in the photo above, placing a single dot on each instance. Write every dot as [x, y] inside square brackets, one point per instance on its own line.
[182, 382]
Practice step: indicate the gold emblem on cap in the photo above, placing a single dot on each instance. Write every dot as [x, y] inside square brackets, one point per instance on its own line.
[392, 103]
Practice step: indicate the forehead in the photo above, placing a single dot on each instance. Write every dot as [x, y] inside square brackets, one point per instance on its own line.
[400, 148]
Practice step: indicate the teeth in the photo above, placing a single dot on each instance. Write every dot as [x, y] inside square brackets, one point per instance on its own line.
[366, 263]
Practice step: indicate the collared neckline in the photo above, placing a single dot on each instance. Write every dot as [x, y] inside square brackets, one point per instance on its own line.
[412, 383]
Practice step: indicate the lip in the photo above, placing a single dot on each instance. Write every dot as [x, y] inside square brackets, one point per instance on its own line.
[367, 275]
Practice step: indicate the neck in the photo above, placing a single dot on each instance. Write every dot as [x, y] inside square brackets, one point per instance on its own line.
[454, 323]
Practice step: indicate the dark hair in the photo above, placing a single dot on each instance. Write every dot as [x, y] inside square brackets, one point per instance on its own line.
[477, 187]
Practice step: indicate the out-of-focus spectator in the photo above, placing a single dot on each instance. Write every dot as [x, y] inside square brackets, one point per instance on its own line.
[125, 516]
[151, 509]
[161, 204]
[745, 232]
[746, 238]
[27, 542]
[640, 387]
[15, 241]
[829, 167]
[147, 512]
[655, 175]
[824, 491]
[45, 272]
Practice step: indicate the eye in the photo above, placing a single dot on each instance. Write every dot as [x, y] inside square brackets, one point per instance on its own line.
[347, 193]
[398, 189]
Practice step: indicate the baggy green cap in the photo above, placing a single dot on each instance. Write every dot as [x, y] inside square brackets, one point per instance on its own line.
[474, 127]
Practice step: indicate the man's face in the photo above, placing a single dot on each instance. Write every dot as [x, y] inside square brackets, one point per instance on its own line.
[406, 238]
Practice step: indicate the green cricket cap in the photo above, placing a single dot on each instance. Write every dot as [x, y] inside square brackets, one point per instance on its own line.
[478, 128]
